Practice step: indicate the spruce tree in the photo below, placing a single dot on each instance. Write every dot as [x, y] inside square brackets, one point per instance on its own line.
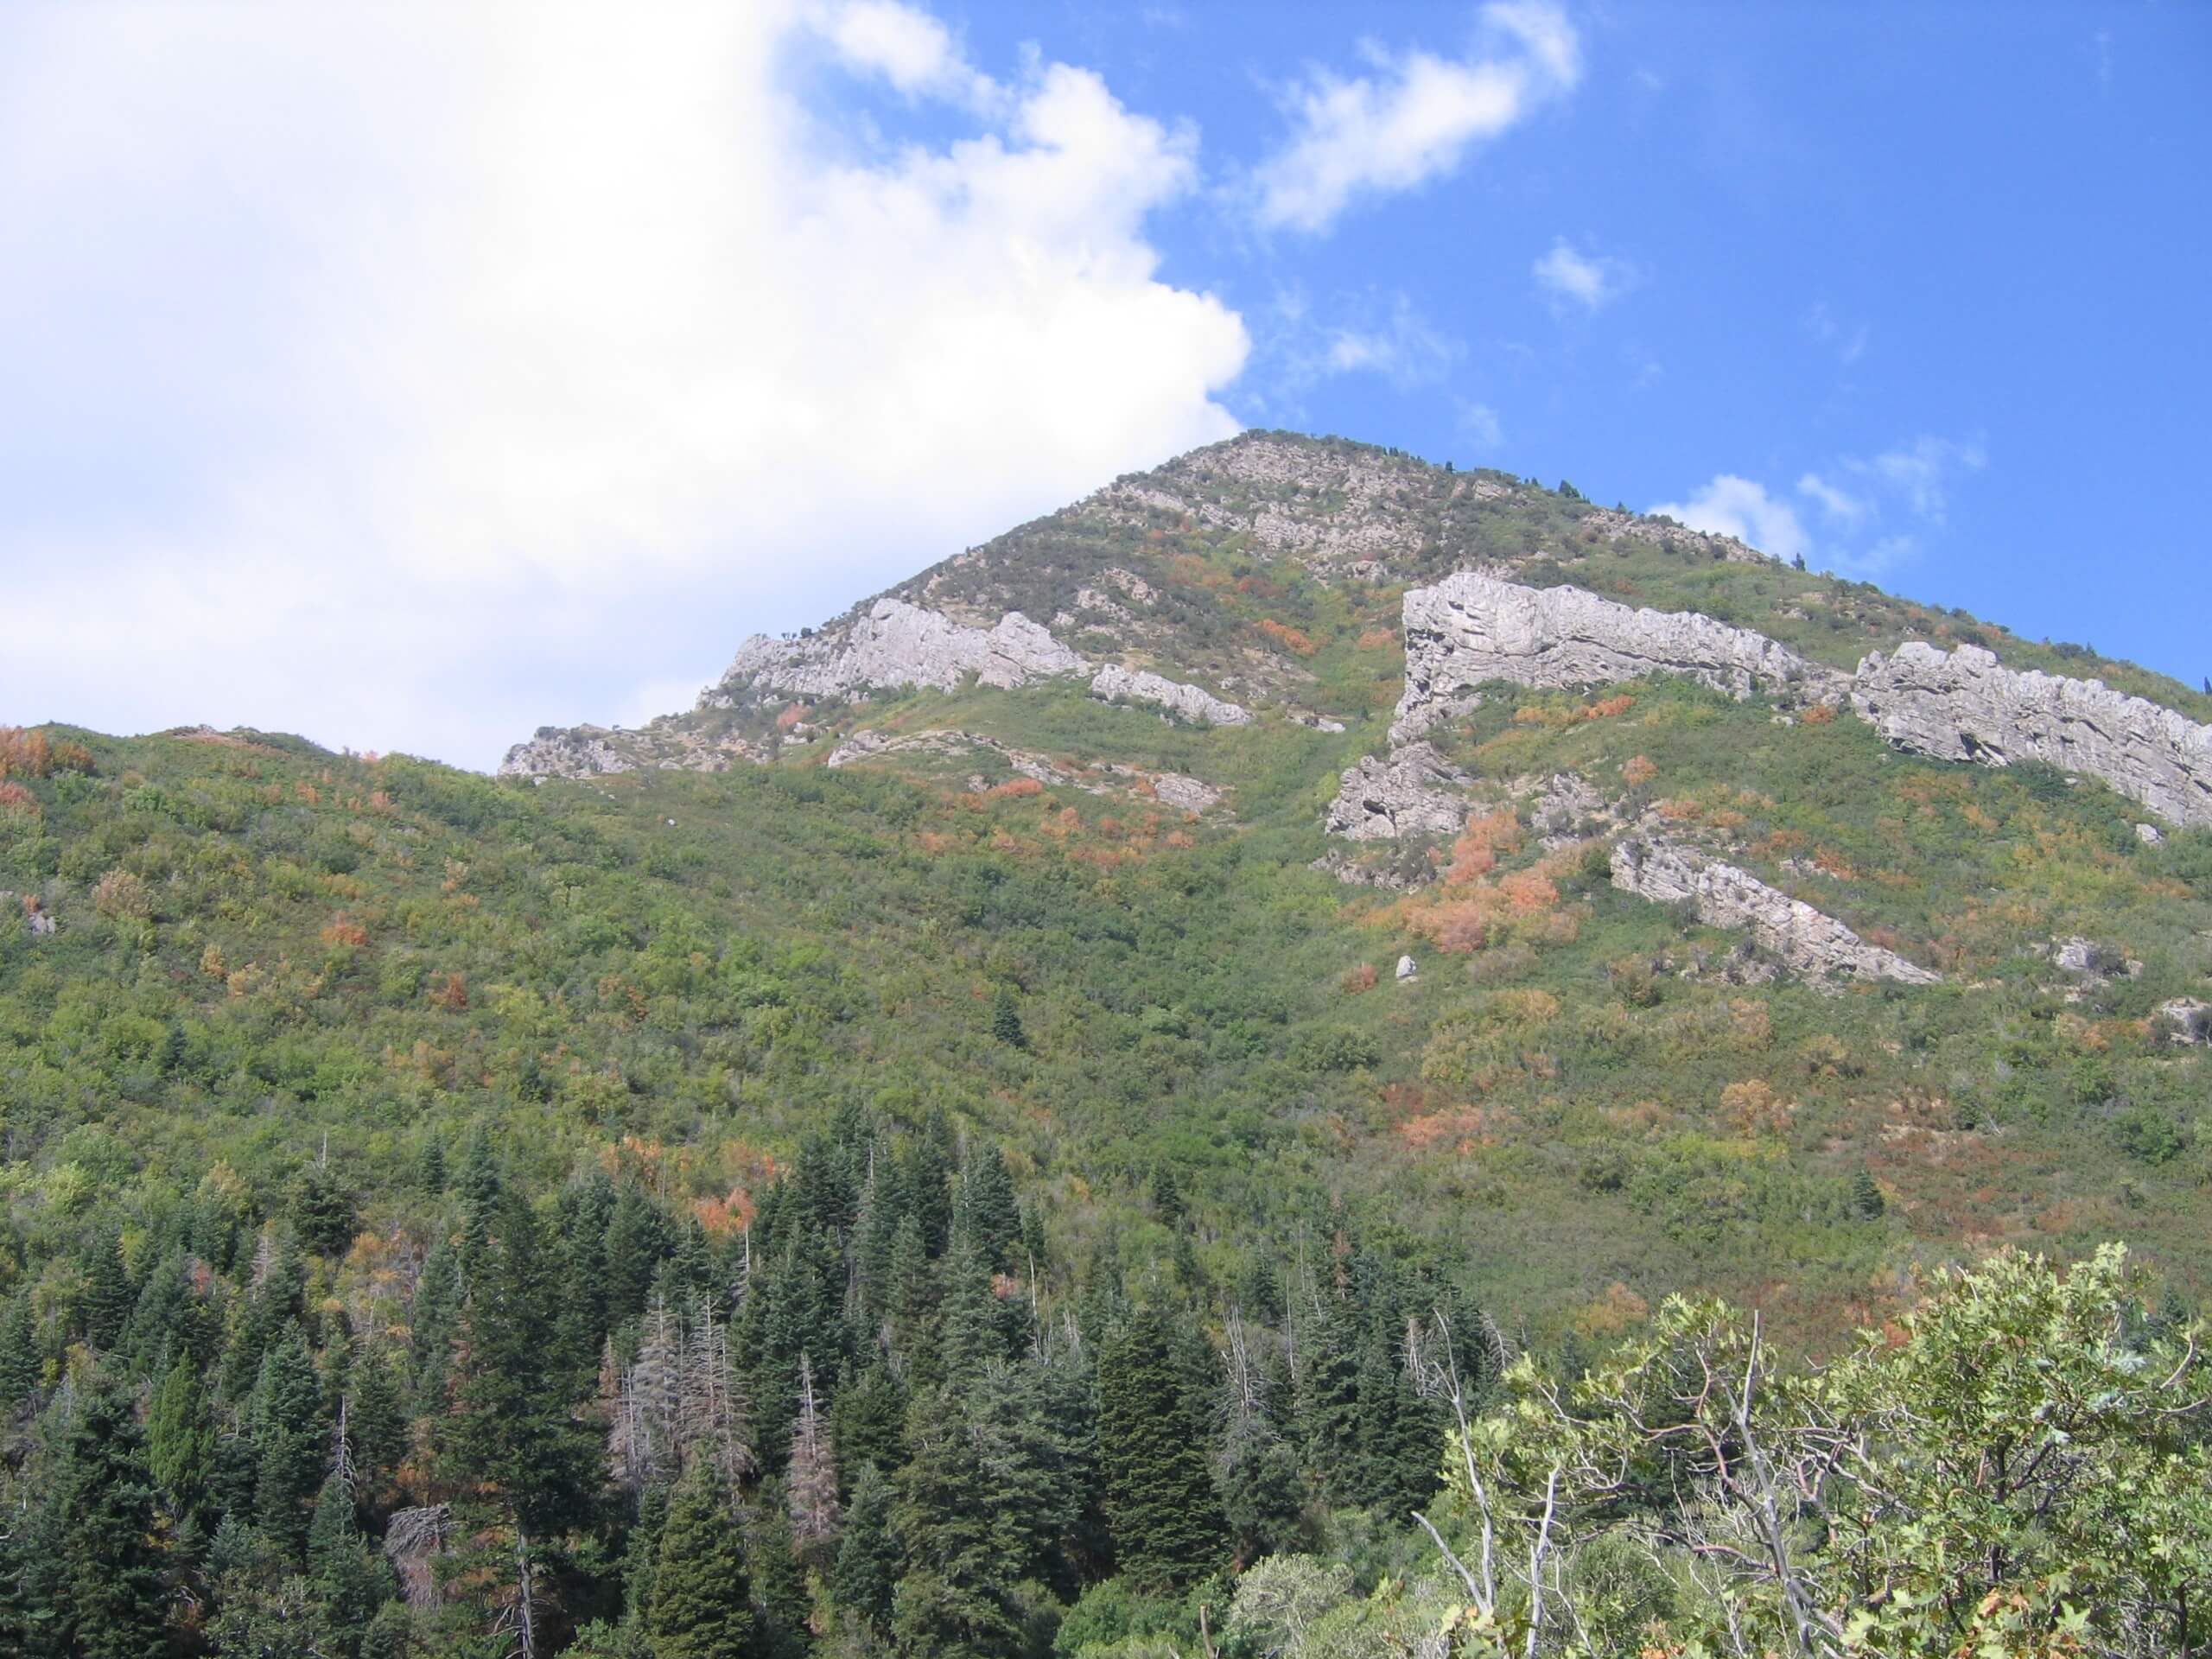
[20, 1360]
[107, 1573]
[1159, 1492]
[181, 1445]
[288, 1440]
[700, 1607]
[1005, 1019]
[987, 1210]
[781, 1601]
[866, 1572]
[513, 1430]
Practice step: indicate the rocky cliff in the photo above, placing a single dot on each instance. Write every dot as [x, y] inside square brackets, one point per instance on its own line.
[1471, 628]
[1965, 705]
[1668, 871]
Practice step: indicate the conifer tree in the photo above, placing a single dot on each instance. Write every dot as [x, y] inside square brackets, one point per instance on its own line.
[988, 1211]
[700, 1607]
[181, 1445]
[19, 1352]
[1159, 1493]
[1005, 1019]
[781, 1602]
[106, 1572]
[866, 1572]
[107, 1290]
[288, 1440]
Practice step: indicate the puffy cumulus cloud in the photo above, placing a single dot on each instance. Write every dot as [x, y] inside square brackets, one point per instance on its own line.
[909, 48]
[1730, 505]
[1591, 281]
[409, 379]
[1414, 116]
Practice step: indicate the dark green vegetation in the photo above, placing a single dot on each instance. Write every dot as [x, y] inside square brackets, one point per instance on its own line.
[885, 1209]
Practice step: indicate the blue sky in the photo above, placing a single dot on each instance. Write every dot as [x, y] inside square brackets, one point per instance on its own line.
[409, 378]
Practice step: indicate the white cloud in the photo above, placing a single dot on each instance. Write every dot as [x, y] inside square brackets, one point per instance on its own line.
[1480, 427]
[1415, 117]
[1908, 481]
[1402, 345]
[1591, 281]
[1922, 472]
[1730, 505]
[1837, 504]
[409, 380]
[908, 48]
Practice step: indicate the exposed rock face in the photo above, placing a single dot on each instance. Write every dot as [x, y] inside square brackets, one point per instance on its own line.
[1117, 684]
[1470, 628]
[585, 751]
[2187, 1020]
[1407, 969]
[1568, 804]
[565, 752]
[897, 644]
[1964, 705]
[1415, 792]
[1816, 945]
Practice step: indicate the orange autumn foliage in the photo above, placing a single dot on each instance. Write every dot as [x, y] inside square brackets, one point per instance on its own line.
[1013, 789]
[1476, 852]
[343, 930]
[1639, 770]
[1288, 637]
[24, 753]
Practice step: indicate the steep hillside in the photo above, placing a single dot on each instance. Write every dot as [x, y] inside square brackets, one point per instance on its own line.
[1297, 892]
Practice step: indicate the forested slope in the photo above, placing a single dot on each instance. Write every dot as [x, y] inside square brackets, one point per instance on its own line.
[963, 1153]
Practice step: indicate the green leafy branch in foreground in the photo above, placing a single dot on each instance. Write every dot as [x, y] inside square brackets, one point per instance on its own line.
[2019, 1468]
[2016, 1470]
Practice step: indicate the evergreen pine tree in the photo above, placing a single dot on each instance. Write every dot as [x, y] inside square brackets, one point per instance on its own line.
[639, 1239]
[20, 1360]
[1159, 1493]
[867, 1415]
[929, 1182]
[288, 1441]
[700, 1607]
[181, 1445]
[866, 1572]
[1866, 1202]
[781, 1601]
[433, 1317]
[513, 1430]
[107, 1296]
[988, 1211]
[349, 1580]
[1005, 1019]
[106, 1573]
[322, 1210]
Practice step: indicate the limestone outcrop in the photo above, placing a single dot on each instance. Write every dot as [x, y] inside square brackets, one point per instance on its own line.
[894, 645]
[1965, 705]
[1471, 628]
[1413, 792]
[1812, 943]
[588, 751]
[1114, 684]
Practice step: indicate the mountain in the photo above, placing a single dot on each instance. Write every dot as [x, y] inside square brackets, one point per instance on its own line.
[1300, 893]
